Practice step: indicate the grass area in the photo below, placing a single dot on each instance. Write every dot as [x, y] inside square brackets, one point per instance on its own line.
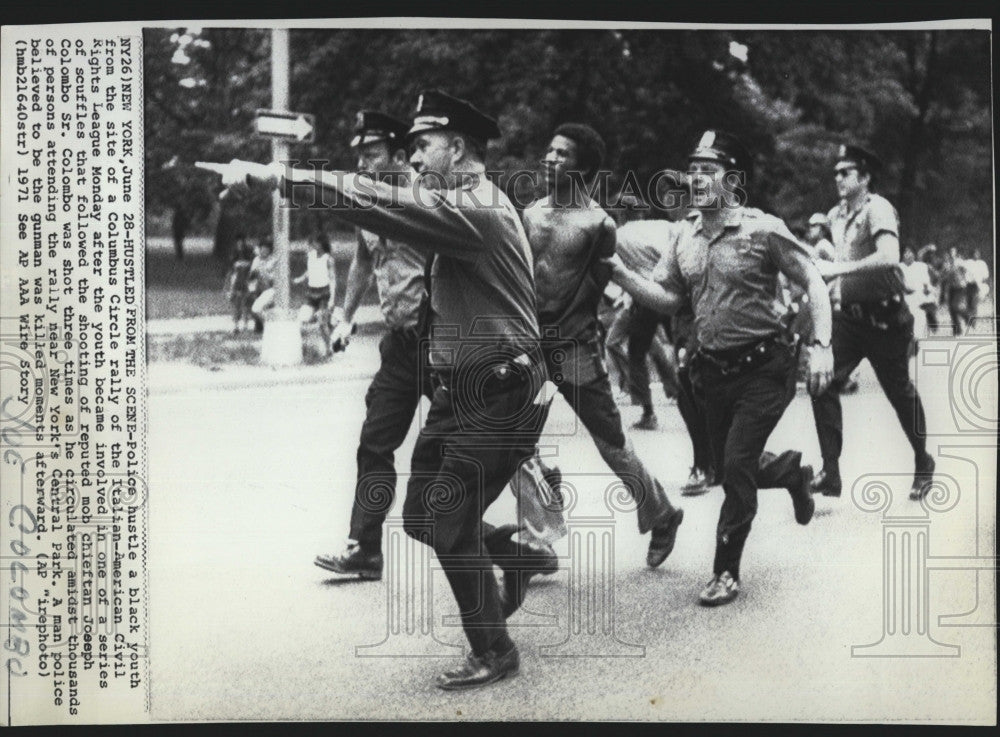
[210, 350]
[192, 287]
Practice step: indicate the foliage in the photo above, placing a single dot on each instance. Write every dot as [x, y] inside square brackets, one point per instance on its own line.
[919, 98]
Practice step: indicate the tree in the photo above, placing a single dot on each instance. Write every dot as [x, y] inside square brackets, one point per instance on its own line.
[201, 89]
[919, 98]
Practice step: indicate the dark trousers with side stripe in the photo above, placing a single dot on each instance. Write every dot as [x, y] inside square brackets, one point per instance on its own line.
[391, 402]
[742, 411]
[888, 351]
[468, 449]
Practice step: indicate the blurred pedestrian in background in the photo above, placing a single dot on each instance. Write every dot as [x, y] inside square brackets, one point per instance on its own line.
[237, 285]
[263, 272]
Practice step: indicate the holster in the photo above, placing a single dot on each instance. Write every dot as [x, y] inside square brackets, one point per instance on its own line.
[732, 363]
[883, 314]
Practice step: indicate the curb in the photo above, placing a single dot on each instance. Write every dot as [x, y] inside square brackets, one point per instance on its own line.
[267, 378]
[368, 319]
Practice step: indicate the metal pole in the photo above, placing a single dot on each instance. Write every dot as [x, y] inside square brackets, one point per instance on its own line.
[279, 152]
[281, 344]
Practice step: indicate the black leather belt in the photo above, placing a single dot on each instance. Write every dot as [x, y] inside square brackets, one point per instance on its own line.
[735, 361]
[880, 314]
[520, 367]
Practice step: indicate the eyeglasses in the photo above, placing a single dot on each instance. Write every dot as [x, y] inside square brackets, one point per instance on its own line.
[838, 173]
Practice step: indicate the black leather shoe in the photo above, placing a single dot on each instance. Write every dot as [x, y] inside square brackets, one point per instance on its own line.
[662, 540]
[802, 499]
[923, 478]
[353, 561]
[827, 482]
[480, 670]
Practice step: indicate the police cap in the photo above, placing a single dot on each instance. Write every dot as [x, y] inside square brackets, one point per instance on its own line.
[724, 147]
[859, 156]
[372, 126]
[439, 111]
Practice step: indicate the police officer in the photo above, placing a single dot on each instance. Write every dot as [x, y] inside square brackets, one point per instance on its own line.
[727, 263]
[873, 321]
[484, 419]
[392, 398]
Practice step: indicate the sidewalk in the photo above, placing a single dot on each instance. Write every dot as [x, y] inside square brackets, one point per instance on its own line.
[359, 362]
[366, 316]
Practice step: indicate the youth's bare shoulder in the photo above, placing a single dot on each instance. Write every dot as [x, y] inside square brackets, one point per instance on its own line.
[599, 217]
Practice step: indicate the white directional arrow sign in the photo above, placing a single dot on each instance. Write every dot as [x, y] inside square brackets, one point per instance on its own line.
[288, 126]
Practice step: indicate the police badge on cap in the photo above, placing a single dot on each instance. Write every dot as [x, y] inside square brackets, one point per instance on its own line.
[438, 111]
[724, 147]
[372, 126]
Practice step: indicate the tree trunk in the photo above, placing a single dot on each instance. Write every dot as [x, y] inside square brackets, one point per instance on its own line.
[908, 201]
[179, 227]
[225, 234]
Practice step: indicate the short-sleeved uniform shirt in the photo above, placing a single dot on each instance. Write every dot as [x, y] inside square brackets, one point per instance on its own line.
[854, 234]
[731, 279]
[399, 278]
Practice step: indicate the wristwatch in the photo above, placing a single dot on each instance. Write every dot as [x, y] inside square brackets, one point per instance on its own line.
[820, 343]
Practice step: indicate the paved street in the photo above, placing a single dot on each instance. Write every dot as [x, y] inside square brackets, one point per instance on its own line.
[249, 482]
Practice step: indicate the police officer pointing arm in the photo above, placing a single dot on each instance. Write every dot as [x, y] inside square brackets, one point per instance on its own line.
[482, 423]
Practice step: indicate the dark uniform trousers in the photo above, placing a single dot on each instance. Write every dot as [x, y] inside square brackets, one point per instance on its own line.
[578, 371]
[690, 399]
[391, 402]
[691, 405]
[742, 411]
[887, 349]
[642, 331]
[476, 434]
